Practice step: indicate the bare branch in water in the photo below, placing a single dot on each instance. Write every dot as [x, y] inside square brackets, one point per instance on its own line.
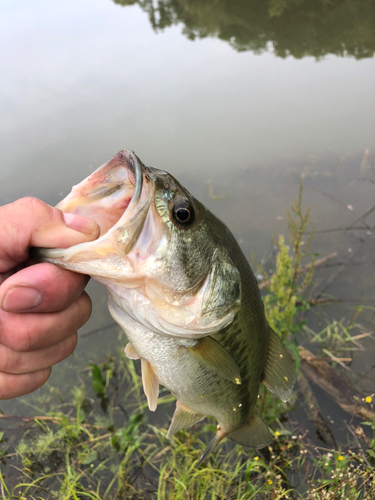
[336, 385]
[313, 411]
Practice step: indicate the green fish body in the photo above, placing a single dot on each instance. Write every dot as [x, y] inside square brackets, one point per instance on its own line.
[183, 292]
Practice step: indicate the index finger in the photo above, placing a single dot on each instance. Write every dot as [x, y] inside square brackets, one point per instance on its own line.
[41, 288]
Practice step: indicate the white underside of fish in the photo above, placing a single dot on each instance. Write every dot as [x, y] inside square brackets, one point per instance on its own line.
[179, 371]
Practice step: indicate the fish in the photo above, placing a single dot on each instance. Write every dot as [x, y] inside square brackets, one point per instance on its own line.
[182, 290]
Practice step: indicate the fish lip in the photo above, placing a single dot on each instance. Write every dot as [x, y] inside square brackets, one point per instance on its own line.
[135, 165]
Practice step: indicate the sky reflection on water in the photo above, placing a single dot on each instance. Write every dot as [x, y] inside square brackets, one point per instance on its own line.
[82, 80]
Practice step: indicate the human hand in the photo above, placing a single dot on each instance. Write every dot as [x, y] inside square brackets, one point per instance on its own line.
[41, 305]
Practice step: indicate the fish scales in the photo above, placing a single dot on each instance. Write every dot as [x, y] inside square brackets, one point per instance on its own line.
[184, 294]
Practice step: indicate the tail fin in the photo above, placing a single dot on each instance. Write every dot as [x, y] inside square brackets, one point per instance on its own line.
[254, 433]
[279, 372]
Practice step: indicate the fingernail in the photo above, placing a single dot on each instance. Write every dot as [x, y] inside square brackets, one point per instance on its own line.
[80, 223]
[21, 298]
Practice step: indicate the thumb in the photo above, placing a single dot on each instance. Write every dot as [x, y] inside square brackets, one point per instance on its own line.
[30, 222]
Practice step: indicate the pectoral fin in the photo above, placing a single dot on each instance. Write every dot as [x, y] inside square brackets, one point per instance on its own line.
[279, 372]
[182, 417]
[216, 358]
[130, 352]
[150, 384]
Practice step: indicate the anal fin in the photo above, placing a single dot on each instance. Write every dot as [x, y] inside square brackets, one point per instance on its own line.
[213, 355]
[150, 384]
[182, 417]
[130, 352]
[279, 372]
[254, 434]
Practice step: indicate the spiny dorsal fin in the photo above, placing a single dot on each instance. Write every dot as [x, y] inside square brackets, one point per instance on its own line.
[279, 372]
[150, 384]
[182, 417]
[216, 358]
[130, 352]
[254, 434]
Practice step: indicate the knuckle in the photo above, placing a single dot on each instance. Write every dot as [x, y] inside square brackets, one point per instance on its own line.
[69, 345]
[4, 386]
[15, 332]
[60, 288]
[10, 361]
[41, 377]
[23, 342]
[84, 308]
[35, 208]
[29, 204]
[70, 284]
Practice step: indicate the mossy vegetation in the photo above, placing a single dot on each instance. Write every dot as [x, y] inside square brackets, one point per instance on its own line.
[97, 440]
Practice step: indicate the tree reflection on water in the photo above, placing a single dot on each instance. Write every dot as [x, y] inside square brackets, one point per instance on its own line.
[298, 28]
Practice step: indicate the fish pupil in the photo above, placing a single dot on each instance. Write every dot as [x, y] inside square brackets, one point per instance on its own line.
[183, 213]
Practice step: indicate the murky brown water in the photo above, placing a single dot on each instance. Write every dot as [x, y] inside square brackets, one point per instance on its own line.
[82, 80]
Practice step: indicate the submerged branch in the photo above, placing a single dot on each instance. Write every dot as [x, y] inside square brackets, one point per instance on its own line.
[314, 413]
[335, 385]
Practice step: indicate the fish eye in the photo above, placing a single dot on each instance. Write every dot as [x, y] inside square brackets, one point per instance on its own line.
[183, 213]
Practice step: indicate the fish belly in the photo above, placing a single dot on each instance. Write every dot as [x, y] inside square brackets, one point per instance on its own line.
[199, 389]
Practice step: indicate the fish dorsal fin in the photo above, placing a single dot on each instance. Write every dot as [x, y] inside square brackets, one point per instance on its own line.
[213, 355]
[254, 434]
[130, 352]
[279, 373]
[182, 417]
[150, 384]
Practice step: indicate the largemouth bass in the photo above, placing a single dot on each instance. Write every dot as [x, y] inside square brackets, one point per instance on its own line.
[183, 292]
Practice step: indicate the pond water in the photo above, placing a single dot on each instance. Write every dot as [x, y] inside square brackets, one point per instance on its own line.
[235, 99]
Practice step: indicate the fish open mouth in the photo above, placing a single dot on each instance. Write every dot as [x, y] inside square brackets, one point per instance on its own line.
[109, 192]
[114, 197]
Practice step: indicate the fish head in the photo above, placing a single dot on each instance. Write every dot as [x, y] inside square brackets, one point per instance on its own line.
[161, 254]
